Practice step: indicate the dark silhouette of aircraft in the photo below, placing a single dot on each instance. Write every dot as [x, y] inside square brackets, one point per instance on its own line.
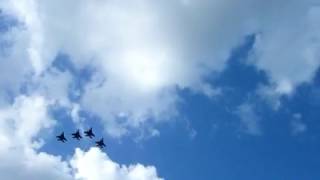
[100, 143]
[61, 137]
[89, 133]
[76, 135]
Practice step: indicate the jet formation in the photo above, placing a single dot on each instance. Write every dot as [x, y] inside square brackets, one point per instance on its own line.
[77, 135]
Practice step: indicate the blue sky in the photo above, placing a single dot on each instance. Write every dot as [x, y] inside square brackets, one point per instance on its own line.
[179, 90]
[219, 145]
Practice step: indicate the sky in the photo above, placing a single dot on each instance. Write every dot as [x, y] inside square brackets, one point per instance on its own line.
[178, 89]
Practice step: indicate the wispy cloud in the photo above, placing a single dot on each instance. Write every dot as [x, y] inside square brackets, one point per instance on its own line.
[249, 119]
[297, 125]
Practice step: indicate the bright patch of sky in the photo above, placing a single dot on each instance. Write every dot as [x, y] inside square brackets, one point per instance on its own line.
[179, 89]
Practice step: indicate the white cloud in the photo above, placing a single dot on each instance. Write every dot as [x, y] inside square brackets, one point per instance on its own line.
[95, 165]
[13, 65]
[249, 119]
[54, 85]
[138, 50]
[20, 126]
[25, 163]
[288, 46]
[142, 50]
[22, 121]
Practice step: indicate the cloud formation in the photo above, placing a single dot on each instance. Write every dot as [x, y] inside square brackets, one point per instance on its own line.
[94, 165]
[142, 51]
[20, 125]
[288, 46]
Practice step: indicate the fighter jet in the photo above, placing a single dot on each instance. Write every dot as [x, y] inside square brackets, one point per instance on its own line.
[61, 137]
[100, 143]
[89, 133]
[76, 135]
